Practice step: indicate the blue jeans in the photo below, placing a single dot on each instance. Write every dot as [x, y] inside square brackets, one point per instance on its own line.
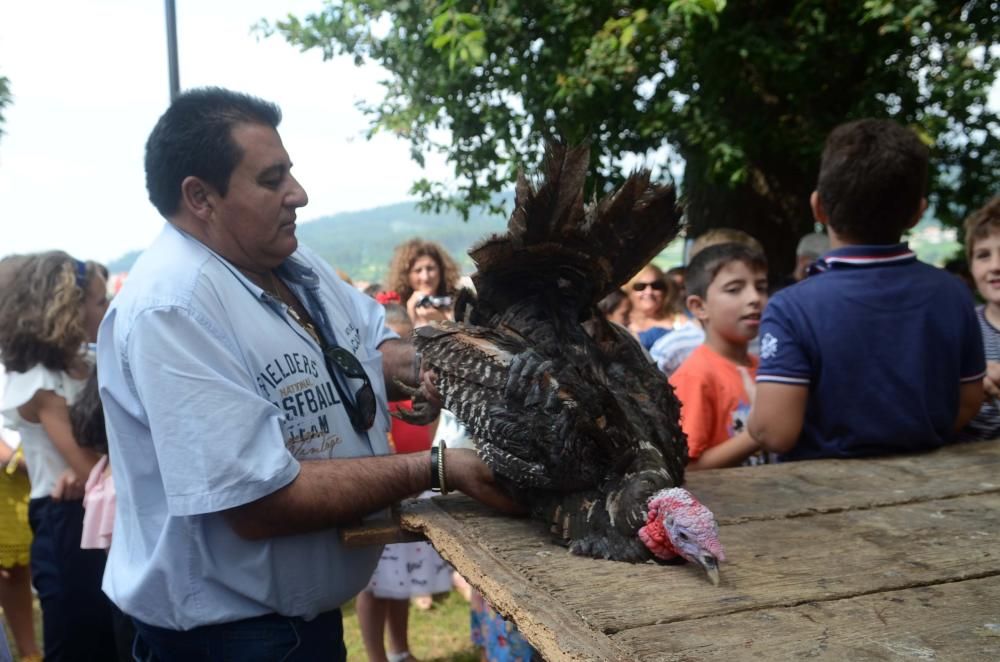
[76, 615]
[268, 638]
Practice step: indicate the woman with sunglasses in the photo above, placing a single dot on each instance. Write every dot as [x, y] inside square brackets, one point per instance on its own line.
[653, 311]
[50, 308]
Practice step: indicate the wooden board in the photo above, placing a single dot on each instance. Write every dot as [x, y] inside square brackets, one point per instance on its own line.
[770, 562]
[565, 636]
[811, 535]
[801, 488]
[958, 621]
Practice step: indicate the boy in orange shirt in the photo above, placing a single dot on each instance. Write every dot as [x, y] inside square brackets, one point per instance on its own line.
[727, 291]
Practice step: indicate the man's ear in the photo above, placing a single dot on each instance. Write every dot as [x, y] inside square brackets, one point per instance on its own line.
[919, 214]
[697, 307]
[197, 197]
[819, 213]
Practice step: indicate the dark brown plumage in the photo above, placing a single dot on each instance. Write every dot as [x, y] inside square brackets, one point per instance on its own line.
[564, 406]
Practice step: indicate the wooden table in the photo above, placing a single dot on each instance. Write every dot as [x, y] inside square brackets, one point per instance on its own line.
[848, 560]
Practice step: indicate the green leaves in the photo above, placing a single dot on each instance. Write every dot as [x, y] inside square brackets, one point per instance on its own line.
[5, 99]
[744, 91]
[691, 11]
[460, 34]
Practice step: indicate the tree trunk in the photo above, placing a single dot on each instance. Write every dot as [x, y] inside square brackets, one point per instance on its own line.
[772, 208]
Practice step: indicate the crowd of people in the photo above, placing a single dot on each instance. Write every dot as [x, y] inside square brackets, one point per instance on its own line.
[189, 451]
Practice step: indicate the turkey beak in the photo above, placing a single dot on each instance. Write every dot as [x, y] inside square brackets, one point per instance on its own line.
[711, 566]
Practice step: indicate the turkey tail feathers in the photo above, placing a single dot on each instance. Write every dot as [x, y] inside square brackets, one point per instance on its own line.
[552, 235]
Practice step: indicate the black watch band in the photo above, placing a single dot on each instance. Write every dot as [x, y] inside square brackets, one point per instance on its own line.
[435, 470]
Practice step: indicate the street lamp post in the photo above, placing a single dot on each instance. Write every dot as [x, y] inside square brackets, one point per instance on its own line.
[175, 79]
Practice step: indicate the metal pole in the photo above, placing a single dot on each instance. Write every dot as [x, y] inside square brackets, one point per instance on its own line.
[175, 79]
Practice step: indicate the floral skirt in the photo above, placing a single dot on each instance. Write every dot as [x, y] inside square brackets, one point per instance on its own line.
[15, 533]
[499, 639]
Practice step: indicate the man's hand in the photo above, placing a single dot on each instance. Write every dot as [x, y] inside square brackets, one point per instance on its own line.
[465, 472]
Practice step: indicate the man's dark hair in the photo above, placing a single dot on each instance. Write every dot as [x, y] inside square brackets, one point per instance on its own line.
[707, 264]
[872, 177]
[194, 138]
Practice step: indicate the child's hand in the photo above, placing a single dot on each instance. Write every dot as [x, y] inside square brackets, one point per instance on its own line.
[991, 382]
[68, 487]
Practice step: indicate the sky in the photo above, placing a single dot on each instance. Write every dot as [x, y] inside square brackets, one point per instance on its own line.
[90, 79]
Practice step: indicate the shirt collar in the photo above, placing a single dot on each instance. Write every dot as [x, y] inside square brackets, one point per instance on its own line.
[863, 256]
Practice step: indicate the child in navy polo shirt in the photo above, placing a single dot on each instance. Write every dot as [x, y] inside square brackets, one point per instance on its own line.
[876, 353]
[727, 290]
[982, 247]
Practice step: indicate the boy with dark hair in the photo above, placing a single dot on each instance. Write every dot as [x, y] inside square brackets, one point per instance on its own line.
[876, 352]
[982, 248]
[670, 351]
[727, 290]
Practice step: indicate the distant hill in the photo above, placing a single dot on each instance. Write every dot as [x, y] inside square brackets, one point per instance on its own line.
[361, 243]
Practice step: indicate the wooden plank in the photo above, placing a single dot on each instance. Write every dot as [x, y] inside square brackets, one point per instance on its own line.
[558, 634]
[771, 563]
[956, 621]
[378, 532]
[803, 488]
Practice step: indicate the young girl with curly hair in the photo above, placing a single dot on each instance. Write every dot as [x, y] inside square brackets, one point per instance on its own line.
[50, 308]
[426, 278]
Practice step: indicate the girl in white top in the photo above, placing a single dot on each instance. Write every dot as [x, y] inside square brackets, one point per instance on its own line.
[50, 308]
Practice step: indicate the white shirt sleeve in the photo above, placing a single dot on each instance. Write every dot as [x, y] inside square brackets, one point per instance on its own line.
[218, 442]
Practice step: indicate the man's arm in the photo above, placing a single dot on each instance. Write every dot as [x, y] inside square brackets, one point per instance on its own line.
[777, 415]
[331, 493]
[970, 399]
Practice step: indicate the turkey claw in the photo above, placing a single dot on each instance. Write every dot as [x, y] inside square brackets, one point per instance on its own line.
[422, 412]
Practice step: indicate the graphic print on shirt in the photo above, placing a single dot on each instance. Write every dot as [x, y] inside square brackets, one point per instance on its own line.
[768, 346]
[353, 336]
[301, 388]
[738, 421]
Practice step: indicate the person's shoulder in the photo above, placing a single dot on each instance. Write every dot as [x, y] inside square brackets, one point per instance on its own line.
[20, 387]
[168, 272]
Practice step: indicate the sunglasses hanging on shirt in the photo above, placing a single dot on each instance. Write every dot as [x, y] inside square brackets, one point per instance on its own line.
[362, 409]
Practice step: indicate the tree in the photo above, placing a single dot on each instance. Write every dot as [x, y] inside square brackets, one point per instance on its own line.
[744, 92]
[4, 99]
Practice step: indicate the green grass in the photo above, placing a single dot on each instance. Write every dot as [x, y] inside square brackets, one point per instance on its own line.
[440, 634]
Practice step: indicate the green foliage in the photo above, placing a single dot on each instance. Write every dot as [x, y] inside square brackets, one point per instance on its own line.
[744, 91]
[5, 98]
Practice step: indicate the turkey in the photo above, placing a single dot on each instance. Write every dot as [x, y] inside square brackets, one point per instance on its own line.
[564, 406]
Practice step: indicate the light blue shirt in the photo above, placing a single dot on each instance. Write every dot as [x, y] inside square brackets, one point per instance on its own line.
[670, 351]
[212, 395]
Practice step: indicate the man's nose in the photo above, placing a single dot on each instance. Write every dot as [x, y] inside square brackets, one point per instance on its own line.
[297, 196]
